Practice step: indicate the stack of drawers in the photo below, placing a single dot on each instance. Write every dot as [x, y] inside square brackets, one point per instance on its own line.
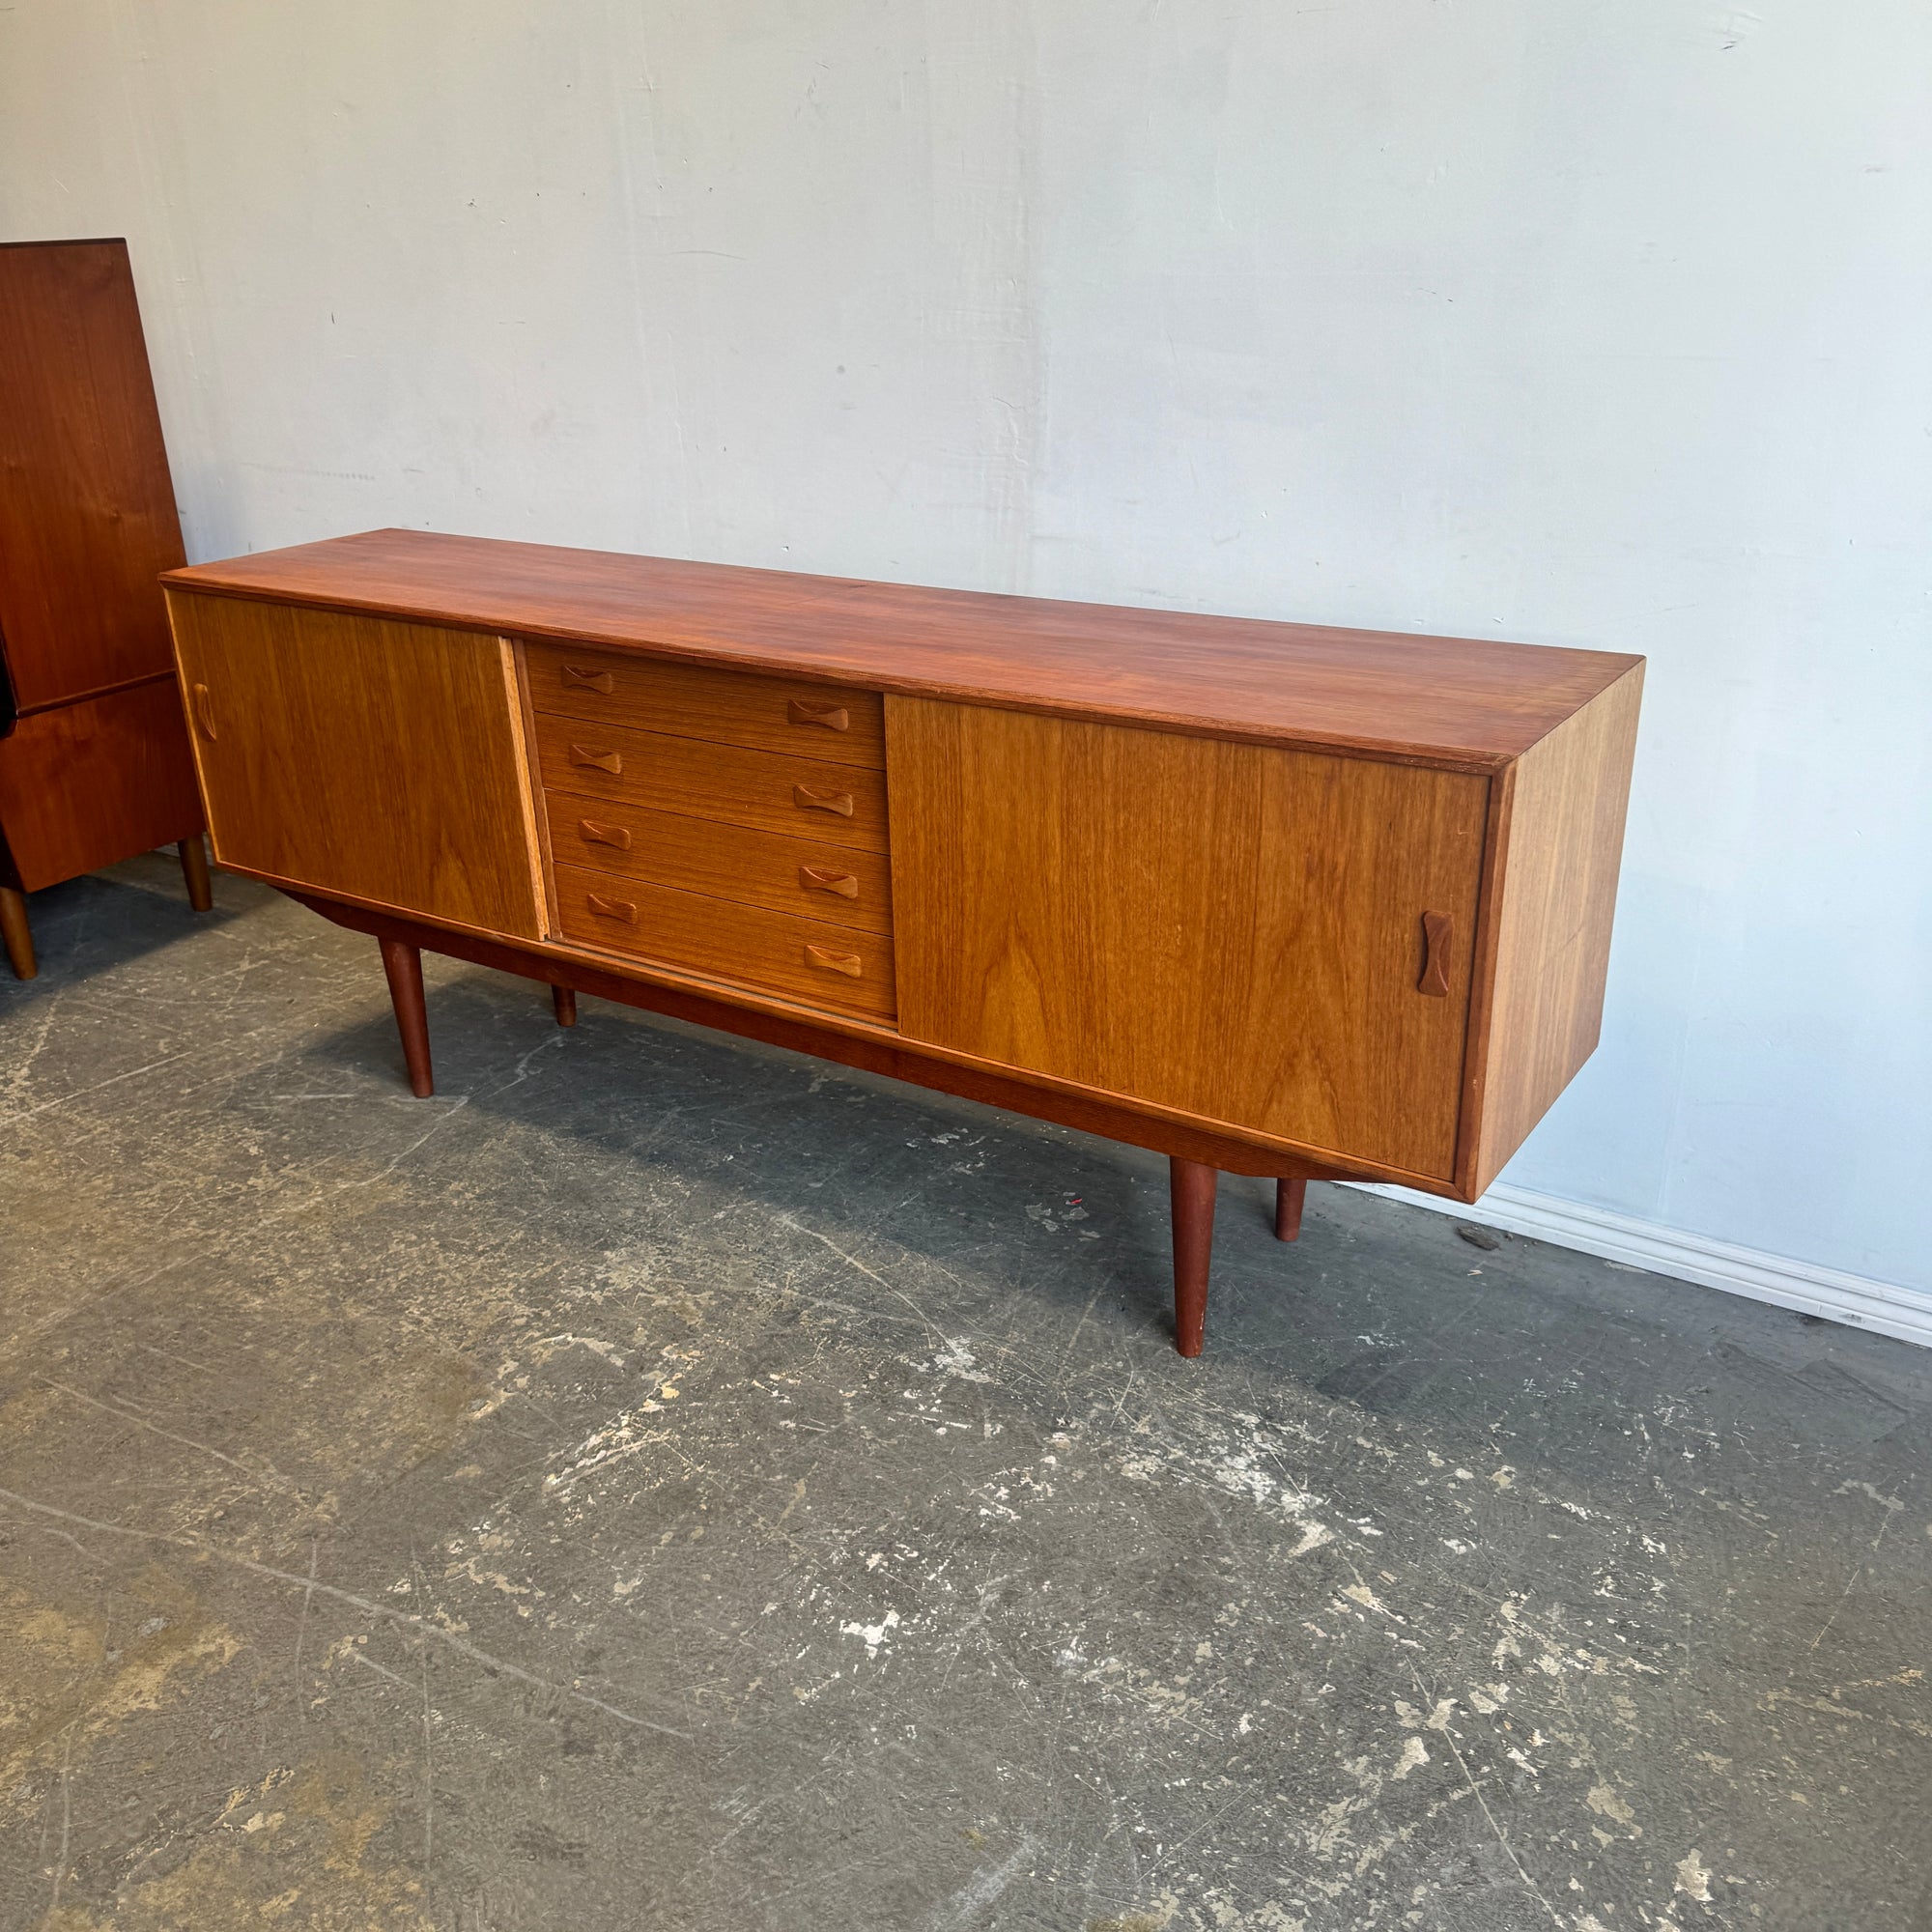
[721, 823]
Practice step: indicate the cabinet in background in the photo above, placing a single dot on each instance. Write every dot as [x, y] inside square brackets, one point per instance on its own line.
[94, 756]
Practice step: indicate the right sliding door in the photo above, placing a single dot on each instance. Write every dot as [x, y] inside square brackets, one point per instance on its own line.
[1279, 941]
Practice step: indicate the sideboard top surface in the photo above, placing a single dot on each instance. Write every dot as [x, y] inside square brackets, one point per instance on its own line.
[1476, 702]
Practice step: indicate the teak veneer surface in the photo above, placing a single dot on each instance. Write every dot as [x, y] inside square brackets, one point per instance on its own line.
[1447, 700]
[1567, 800]
[841, 884]
[798, 958]
[1232, 930]
[94, 753]
[377, 760]
[769, 791]
[87, 508]
[83, 785]
[1305, 902]
[849, 1041]
[767, 714]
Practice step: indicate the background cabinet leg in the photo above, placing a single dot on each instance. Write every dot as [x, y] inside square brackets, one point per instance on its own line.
[1289, 1195]
[17, 933]
[564, 1000]
[1192, 1189]
[194, 870]
[404, 966]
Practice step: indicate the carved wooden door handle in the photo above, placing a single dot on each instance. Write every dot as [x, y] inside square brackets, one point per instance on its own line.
[803, 711]
[604, 761]
[590, 680]
[605, 835]
[821, 798]
[829, 879]
[619, 909]
[203, 710]
[1439, 932]
[829, 961]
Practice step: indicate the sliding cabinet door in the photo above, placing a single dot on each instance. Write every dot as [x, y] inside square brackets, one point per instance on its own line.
[1275, 940]
[379, 761]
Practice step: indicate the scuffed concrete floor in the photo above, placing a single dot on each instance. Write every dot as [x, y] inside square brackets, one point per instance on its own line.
[662, 1483]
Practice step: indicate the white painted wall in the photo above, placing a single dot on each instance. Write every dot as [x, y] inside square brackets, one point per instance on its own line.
[1539, 318]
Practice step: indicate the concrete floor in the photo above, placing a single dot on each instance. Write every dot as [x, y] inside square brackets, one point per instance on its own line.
[666, 1483]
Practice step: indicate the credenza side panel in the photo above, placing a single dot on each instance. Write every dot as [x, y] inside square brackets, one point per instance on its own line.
[357, 755]
[1558, 888]
[1232, 930]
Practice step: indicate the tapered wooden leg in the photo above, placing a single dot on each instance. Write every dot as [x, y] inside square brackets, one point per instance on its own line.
[1289, 1195]
[194, 870]
[564, 1000]
[1192, 1189]
[404, 965]
[17, 933]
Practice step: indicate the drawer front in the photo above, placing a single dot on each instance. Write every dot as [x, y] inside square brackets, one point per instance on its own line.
[766, 714]
[804, 960]
[838, 883]
[801, 798]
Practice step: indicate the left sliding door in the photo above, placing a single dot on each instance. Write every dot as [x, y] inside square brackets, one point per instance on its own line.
[366, 760]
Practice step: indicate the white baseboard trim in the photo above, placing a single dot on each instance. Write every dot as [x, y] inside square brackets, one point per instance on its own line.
[1886, 1308]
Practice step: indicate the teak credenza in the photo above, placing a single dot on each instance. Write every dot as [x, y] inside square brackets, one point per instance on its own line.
[1268, 898]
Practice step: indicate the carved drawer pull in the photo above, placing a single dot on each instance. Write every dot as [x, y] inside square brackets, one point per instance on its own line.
[605, 835]
[829, 879]
[619, 909]
[817, 798]
[604, 761]
[590, 680]
[204, 711]
[834, 717]
[1437, 932]
[828, 961]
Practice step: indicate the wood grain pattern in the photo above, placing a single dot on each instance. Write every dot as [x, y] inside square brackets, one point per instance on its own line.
[87, 508]
[1230, 931]
[1246, 952]
[728, 941]
[1562, 850]
[846, 1039]
[727, 707]
[726, 782]
[84, 784]
[523, 764]
[838, 883]
[363, 756]
[1468, 702]
[673, 989]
